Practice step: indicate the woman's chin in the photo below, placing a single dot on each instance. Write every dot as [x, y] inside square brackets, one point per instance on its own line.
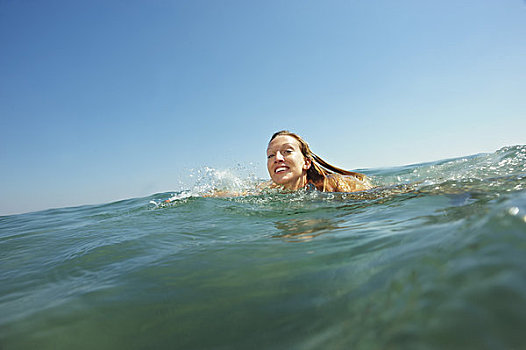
[281, 183]
[281, 180]
[285, 182]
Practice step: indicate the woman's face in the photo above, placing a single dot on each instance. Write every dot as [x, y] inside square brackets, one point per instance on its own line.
[286, 164]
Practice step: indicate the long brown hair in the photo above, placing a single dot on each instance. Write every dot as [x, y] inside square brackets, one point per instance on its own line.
[319, 169]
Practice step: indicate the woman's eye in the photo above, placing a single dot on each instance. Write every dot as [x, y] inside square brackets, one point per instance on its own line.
[270, 156]
[289, 151]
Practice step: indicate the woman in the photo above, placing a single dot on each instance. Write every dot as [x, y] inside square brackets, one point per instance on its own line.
[292, 166]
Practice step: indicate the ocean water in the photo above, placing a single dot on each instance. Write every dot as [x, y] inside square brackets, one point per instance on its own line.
[433, 258]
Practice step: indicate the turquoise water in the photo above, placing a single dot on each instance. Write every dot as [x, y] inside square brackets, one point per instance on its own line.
[434, 258]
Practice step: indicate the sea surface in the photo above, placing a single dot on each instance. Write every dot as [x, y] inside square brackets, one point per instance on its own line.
[432, 258]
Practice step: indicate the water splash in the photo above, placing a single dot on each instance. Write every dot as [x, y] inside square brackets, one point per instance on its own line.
[206, 180]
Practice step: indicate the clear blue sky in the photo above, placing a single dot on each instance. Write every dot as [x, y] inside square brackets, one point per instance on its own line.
[106, 100]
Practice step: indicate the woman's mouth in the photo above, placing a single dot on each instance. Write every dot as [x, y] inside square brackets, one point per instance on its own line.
[280, 169]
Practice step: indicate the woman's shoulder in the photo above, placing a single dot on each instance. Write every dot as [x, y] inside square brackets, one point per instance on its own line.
[346, 183]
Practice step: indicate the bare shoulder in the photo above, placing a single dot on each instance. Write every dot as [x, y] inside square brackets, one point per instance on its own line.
[342, 183]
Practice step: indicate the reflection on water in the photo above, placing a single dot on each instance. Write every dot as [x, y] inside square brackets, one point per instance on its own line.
[306, 229]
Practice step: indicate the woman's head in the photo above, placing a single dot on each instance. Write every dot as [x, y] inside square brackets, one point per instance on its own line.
[313, 168]
[288, 160]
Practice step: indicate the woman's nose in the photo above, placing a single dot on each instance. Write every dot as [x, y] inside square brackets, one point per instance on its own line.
[279, 156]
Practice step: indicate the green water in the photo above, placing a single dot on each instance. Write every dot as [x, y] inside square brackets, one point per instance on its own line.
[432, 259]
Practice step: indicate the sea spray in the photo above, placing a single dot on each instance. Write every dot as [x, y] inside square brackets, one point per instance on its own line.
[205, 180]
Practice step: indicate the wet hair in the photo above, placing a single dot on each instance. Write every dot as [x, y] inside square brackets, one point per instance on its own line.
[319, 169]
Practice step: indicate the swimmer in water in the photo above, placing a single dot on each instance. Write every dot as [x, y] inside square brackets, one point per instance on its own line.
[293, 166]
